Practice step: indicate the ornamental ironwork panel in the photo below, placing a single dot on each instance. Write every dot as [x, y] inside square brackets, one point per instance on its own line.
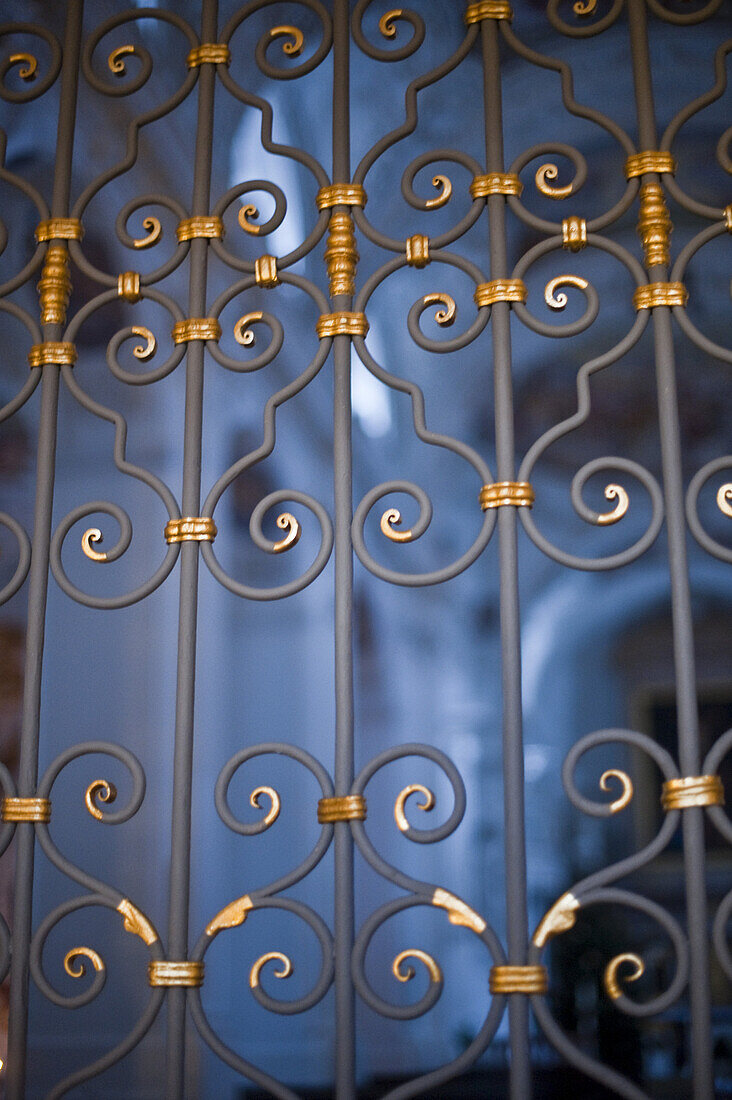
[223, 297]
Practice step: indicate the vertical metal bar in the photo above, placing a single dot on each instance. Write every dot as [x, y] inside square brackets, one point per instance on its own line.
[683, 629]
[38, 590]
[180, 851]
[343, 919]
[513, 749]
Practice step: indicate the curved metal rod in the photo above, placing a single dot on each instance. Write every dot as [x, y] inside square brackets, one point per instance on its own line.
[697, 483]
[680, 314]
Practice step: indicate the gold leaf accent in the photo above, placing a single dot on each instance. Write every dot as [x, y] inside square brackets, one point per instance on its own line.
[610, 978]
[488, 9]
[147, 350]
[614, 492]
[417, 250]
[559, 301]
[206, 226]
[458, 912]
[654, 225]
[190, 529]
[136, 922]
[66, 229]
[93, 534]
[212, 53]
[550, 172]
[443, 182]
[242, 333]
[574, 233]
[154, 233]
[399, 815]
[77, 953]
[231, 916]
[660, 294]
[274, 810]
[495, 183]
[724, 499]
[502, 493]
[293, 48]
[27, 809]
[584, 7]
[560, 918]
[104, 791]
[116, 59]
[340, 194]
[196, 328]
[627, 784]
[27, 59]
[265, 271]
[532, 978]
[128, 286]
[246, 212]
[650, 160]
[54, 285]
[268, 957]
[444, 317]
[341, 255]
[386, 23]
[408, 973]
[287, 522]
[349, 807]
[500, 290]
[168, 972]
[394, 516]
[342, 323]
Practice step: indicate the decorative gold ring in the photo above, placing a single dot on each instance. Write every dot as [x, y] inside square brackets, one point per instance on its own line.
[652, 160]
[196, 328]
[518, 979]
[265, 271]
[164, 972]
[342, 323]
[190, 529]
[660, 294]
[65, 229]
[340, 194]
[501, 493]
[351, 807]
[128, 286]
[27, 809]
[488, 9]
[500, 290]
[728, 217]
[574, 233]
[52, 351]
[496, 183]
[215, 53]
[202, 225]
[693, 790]
[418, 250]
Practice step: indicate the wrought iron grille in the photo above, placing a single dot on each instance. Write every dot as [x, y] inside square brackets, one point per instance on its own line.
[223, 231]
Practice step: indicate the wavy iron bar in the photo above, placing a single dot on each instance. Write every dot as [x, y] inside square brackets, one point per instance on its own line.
[60, 229]
[52, 351]
[488, 9]
[27, 810]
[211, 53]
[691, 791]
[495, 183]
[164, 973]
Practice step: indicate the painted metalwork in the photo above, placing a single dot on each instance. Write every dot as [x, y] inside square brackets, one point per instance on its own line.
[519, 978]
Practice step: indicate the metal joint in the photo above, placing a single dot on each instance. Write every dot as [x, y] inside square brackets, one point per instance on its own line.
[54, 285]
[196, 328]
[728, 217]
[341, 255]
[190, 529]
[350, 807]
[574, 233]
[128, 286]
[518, 979]
[340, 194]
[500, 290]
[654, 225]
[165, 972]
[52, 351]
[265, 271]
[496, 183]
[660, 294]
[418, 250]
[60, 229]
[652, 160]
[203, 225]
[518, 493]
[342, 323]
[691, 791]
[488, 9]
[27, 810]
[213, 53]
